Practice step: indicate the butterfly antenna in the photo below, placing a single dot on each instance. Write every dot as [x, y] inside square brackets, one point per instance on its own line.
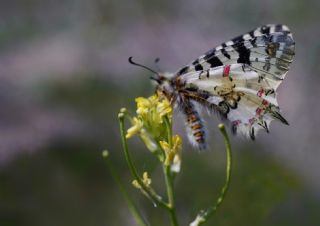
[140, 65]
[149, 69]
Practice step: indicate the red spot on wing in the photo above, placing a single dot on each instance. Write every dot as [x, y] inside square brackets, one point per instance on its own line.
[265, 103]
[259, 111]
[226, 70]
[261, 92]
[236, 122]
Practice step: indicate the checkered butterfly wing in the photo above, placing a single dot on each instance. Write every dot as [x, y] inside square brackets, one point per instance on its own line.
[239, 78]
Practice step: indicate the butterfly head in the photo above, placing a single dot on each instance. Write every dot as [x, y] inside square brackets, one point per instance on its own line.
[165, 85]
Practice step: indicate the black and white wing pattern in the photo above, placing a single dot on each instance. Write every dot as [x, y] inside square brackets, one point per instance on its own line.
[238, 79]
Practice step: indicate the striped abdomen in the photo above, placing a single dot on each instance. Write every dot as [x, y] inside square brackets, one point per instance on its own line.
[195, 129]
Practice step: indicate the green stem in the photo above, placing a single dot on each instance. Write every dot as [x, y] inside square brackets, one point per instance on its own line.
[170, 193]
[133, 208]
[169, 130]
[157, 200]
[169, 178]
[203, 216]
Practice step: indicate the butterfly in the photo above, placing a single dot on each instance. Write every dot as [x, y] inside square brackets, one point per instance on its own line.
[238, 80]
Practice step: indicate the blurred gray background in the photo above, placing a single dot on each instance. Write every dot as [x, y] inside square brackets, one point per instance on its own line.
[64, 76]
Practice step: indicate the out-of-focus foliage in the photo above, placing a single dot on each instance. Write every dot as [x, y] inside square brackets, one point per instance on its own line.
[69, 185]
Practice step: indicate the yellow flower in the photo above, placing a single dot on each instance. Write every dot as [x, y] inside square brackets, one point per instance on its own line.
[150, 114]
[154, 108]
[136, 128]
[173, 154]
[143, 105]
[146, 180]
[164, 108]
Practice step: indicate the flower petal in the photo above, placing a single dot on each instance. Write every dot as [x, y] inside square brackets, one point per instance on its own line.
[136, 128]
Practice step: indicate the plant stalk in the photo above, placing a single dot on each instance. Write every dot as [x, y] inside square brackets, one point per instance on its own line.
[132, 207]
[151, 194]
[203, 216]
[169, 179]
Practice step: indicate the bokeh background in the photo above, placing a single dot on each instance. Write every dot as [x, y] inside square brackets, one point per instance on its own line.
[64, 76]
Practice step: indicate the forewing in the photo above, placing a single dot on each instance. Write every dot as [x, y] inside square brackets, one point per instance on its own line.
[268, 50]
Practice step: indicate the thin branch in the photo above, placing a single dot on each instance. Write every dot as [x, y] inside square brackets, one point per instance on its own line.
[169, 177]
[169, 130]
[170, 193]
[156, 199]
[204, 215]
[132, 207]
